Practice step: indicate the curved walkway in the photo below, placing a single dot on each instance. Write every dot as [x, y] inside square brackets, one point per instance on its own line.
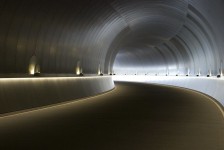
[134, 116]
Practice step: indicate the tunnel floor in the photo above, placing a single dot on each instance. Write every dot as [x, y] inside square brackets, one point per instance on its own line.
[133, 116]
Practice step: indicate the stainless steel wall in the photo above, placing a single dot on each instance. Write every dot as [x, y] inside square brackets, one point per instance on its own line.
[212, 87]
[197, 45]
[143, 36]
[58, 33]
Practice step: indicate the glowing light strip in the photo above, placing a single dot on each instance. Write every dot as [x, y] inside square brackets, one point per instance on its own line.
[52, 78]
[146, 78]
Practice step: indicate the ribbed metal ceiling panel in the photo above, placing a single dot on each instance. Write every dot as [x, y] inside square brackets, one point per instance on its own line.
[127, 36]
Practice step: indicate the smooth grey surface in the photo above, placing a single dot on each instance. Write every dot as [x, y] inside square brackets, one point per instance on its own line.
[211, 86]
[19, 94]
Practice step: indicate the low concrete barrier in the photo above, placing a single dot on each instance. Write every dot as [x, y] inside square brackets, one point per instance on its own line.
[25, 93]
[211, 86]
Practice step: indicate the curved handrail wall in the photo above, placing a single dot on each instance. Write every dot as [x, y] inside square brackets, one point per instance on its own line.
[213, 87]
[18, 94]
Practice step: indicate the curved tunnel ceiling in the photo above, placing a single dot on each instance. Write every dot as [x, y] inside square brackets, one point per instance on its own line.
[124, 36]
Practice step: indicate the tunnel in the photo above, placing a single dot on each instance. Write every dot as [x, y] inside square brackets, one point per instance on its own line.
[112, 74]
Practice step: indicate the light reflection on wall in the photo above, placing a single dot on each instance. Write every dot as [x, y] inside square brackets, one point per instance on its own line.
[33, 65]
[150, 70]
[32, 69]
[78, 70]
[99, 70]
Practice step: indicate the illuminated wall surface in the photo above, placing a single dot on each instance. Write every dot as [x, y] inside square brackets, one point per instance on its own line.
[18, 94]
[137, 36]
[212, 87]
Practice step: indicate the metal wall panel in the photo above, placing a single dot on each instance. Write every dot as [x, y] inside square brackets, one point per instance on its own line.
[166, 36]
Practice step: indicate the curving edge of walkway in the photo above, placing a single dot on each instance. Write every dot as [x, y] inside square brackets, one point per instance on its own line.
[211, 86]
[132, 116]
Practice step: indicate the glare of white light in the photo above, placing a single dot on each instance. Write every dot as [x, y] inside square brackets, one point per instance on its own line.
[32, 69]
[99, 70]
[77, 70]
[50, 78]
[32, 65]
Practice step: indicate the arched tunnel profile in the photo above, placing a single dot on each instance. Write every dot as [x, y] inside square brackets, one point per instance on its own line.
[112, 74]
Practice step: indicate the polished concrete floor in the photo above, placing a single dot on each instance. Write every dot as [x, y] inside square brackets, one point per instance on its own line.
[133, 116]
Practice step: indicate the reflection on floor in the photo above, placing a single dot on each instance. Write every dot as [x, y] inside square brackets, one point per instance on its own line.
[134, 116]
